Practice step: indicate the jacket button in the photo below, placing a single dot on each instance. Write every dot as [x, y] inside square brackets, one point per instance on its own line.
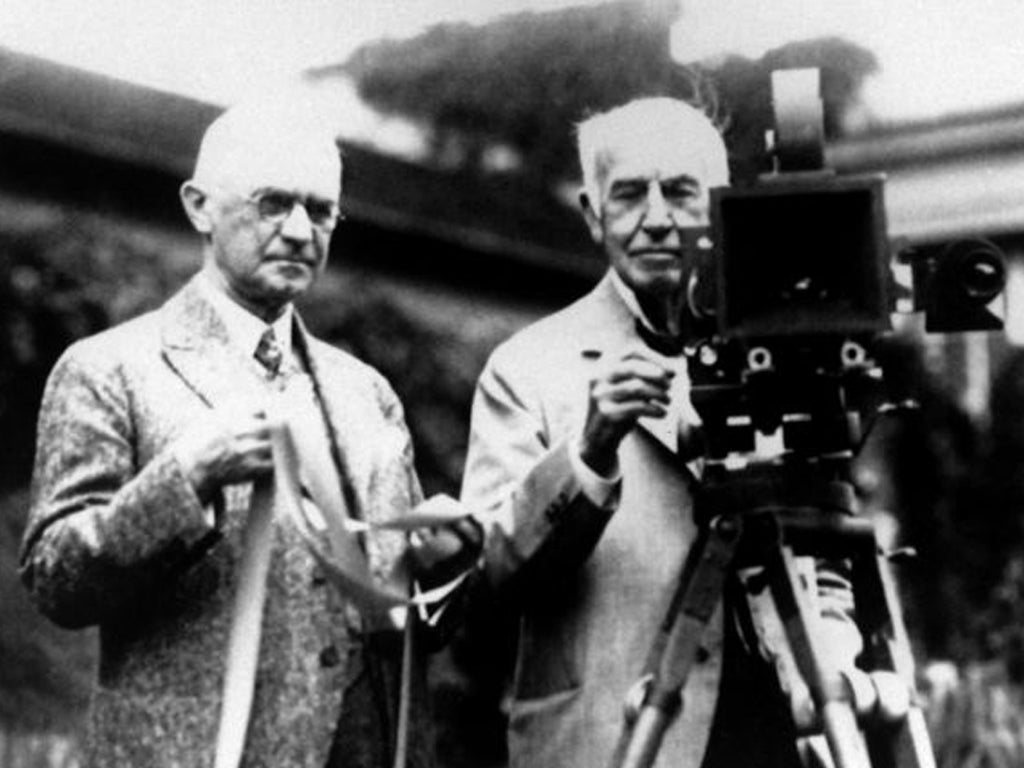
[318, 579]
[329, 657]
[703, 654]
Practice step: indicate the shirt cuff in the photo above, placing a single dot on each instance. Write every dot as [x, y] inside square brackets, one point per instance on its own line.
[601, 491]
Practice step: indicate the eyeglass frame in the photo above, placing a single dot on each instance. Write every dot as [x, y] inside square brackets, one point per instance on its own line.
[325, 222]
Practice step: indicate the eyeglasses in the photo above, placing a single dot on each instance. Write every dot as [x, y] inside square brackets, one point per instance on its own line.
[276, 205]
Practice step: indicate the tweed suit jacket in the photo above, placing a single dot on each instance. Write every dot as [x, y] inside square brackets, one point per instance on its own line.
[117, 537]
[591, 586]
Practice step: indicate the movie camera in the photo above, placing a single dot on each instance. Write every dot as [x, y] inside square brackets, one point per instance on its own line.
[800, 285]
[797, 290]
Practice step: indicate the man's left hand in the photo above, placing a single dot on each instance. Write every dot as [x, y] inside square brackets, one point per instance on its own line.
[440, 554]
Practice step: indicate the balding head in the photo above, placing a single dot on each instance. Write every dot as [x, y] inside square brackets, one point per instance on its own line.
[659, 124]
[277, 144]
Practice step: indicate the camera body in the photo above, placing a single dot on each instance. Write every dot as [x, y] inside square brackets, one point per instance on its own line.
[798, 288]
[801, 254]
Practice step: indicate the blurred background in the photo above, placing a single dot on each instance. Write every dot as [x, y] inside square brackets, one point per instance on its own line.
[456, 119]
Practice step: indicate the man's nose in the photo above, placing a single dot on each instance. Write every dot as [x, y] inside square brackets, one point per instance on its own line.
[297, 226]
[658, 215]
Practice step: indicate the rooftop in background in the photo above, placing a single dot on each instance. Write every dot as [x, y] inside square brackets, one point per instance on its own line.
[160, 131]
[959, 177]
[947, 178]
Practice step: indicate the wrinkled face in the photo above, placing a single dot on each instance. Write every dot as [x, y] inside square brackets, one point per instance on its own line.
[653, 208]
[270, 222]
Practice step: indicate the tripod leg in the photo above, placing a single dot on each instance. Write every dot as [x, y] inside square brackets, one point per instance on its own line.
[673, 656]
[904, 743]
[797, 609]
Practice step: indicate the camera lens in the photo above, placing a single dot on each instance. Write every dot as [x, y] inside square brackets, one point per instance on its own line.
[981, 274]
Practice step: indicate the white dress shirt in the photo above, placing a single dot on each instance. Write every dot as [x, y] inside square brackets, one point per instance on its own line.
[243, 327]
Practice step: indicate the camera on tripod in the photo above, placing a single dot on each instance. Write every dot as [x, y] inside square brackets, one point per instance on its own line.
[798, 288]
[800, 284]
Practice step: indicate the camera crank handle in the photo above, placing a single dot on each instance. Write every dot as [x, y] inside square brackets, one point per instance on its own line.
[901, 555]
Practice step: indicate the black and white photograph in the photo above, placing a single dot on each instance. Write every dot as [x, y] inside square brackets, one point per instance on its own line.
[512, 384]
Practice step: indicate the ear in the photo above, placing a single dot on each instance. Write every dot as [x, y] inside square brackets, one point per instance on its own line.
[197, 206]
[592, 218]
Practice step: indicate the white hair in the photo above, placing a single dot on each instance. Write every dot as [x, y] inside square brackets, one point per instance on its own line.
[642, 120]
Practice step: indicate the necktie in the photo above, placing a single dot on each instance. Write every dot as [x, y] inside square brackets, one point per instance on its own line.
[269, 353]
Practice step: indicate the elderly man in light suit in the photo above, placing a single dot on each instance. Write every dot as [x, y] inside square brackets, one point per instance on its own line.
[581, 461]
[151, 438]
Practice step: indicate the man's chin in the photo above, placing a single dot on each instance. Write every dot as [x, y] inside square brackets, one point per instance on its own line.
[290, 277]
[666, 279]
[291, 271]
[278, 290]
[656, 258]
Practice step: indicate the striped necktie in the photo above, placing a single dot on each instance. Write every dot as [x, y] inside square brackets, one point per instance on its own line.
[269, 353]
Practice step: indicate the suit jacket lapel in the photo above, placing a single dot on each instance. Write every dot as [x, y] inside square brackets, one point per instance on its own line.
[328, 392]
[343, 405]
[196, 346]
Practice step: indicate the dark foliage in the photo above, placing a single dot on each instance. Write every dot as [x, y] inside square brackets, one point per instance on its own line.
[931, 455]
[1000, 630]
[527, 79]
[432, 371]
[59, 283]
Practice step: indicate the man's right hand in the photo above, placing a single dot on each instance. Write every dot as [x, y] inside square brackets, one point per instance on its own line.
[228, 447]
[632, 386]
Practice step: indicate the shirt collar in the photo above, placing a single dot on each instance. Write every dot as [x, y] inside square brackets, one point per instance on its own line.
[629, 299]
[244, 328]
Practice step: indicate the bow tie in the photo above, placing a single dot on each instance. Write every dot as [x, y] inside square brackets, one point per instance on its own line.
[663, 343]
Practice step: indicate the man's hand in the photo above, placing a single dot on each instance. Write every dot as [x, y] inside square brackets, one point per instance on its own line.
[228, 447]
[633, 386]
[440, 554]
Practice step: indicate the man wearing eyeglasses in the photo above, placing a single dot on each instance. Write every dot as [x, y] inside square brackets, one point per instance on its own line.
[160, 447]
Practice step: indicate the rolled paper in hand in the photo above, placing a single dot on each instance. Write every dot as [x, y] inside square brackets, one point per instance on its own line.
[411, 521]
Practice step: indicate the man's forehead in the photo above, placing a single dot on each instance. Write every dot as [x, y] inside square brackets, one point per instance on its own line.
[300, 170]
[657, 158]
[253, 154]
